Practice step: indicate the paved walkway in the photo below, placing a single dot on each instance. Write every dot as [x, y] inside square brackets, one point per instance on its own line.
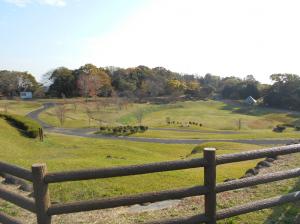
[88, 132]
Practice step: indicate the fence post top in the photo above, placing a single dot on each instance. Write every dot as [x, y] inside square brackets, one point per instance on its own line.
[210, 149]
[37, 165]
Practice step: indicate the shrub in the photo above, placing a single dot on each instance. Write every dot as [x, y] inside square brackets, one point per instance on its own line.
[279, 128]
[28, 126]
[121, 130]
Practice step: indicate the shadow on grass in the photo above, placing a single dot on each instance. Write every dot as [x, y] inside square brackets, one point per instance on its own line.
[240, 108]
[286, 214]
[22, 132]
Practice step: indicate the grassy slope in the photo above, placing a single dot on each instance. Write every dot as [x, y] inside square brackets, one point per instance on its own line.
[250, 134]
[19, 107]
[65, 153]
[212, 114]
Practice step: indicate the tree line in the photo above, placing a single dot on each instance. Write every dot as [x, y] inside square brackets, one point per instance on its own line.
[143, 82]
[14, 82]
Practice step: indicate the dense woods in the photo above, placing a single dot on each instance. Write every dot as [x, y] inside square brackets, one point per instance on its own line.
[142, 82]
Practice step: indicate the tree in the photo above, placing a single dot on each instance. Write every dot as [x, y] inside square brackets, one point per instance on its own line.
[60, 112]
[89, 114]
[63, 82]
[139, 115]
[93, 81]
[13, 82]
[284, 93]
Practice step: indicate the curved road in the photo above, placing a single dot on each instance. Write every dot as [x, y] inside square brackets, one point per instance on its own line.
[88, 132]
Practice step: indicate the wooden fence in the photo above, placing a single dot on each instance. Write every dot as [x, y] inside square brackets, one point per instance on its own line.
[42, 207]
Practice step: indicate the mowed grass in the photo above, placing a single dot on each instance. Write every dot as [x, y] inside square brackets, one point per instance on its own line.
[213, 115]
[249, 134]
[78, 117]
[19, 107]
[62, 153]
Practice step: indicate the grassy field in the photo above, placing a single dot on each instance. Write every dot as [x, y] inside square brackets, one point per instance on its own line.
[19, 107]
[249, 134]
[65, 153]
[62, 153]
[213, 115]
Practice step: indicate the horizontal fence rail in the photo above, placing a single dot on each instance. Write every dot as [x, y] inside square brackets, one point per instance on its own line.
[258, 205]
[15, 171]
[253, 181]
[45, 210]
[234, 211]
[6, 219]
[257, 154]
[17, 199]
[123, 171]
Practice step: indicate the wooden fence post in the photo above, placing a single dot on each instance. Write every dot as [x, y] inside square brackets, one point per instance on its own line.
[210, 182]
[42, 134]
[41, 193]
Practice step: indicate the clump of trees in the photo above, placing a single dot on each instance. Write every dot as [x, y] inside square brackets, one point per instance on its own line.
[152, 83]
[139, 82]
[87, 81]
[284, 93]
[143, 82]
[14, 82]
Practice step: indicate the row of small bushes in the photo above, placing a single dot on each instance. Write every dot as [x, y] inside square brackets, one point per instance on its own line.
[122, 130]
[29, 127]
[189, 123]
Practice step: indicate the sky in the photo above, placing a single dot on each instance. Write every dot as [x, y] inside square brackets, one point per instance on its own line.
[225, 38]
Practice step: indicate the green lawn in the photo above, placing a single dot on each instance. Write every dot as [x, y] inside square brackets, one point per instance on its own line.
[66, 153]
[249, 134]
[19, 107]
[213, 115]
[62, 153]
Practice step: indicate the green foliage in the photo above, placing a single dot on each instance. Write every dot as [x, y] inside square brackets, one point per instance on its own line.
[285, 92]
[279, 128]
[121, 130]
[30, 127]
[236, 88]
[13, 82]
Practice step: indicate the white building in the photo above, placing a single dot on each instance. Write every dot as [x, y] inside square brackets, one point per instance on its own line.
[250, 100]
[26, 95]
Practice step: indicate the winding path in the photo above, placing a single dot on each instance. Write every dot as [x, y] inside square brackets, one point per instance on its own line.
[88, 132]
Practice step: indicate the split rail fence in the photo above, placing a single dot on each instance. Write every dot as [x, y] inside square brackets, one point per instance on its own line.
[44, 210]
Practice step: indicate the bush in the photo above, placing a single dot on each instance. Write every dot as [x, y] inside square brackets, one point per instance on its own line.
[30, 127]
[121, 130]
[279, 128]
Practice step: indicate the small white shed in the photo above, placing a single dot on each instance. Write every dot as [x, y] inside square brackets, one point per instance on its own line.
[26, 95]
[250, 100]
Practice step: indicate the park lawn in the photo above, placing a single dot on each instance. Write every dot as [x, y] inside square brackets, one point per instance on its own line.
[19, 107]
[62, 153]
[218, 115]
[246, 134]
[79, 118]
[213, 115]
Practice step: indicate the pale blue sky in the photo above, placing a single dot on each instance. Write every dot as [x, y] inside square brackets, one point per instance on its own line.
[37, 36]
[231, 37]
